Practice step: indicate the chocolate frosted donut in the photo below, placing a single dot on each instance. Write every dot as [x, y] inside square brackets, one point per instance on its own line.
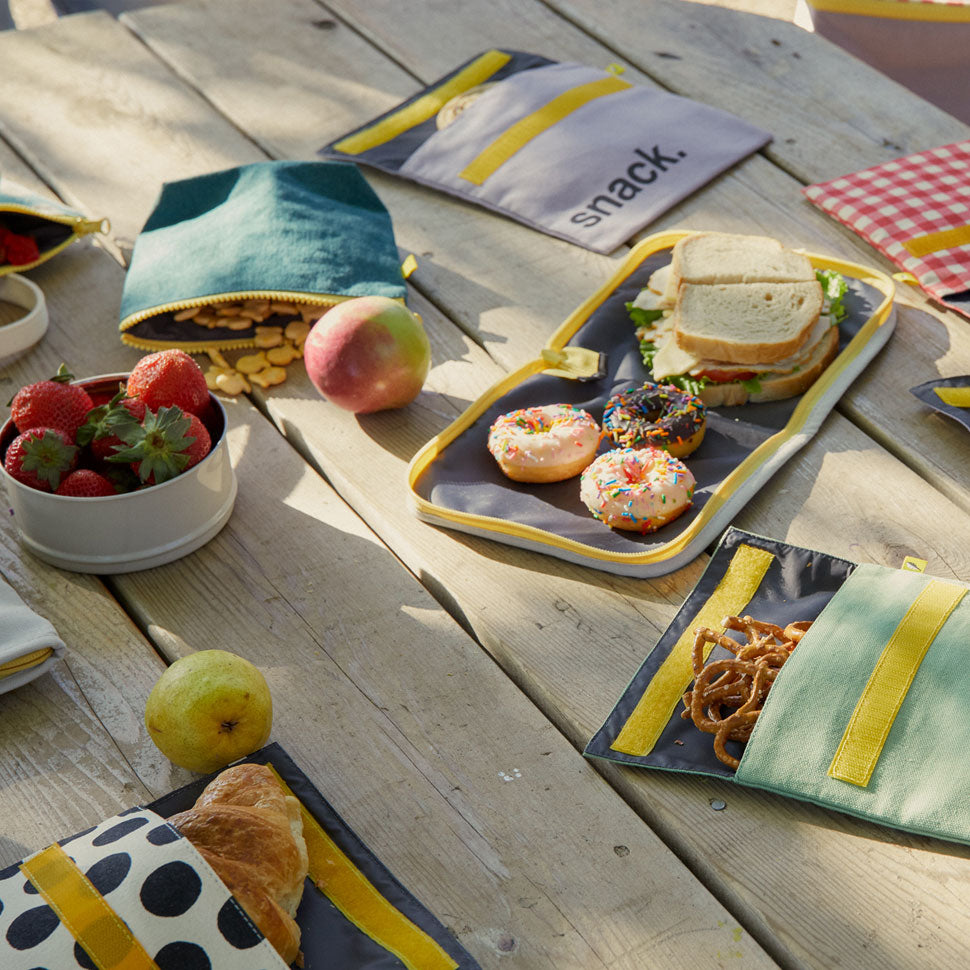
[656, 414]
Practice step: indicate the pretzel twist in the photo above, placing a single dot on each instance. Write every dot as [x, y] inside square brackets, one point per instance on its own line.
[729, 693]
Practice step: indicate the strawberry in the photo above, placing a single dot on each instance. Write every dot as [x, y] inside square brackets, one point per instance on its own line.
[169, 378]
[54, 403]
[171, 441]
[112, 425]
[40, 457]
[85, 483]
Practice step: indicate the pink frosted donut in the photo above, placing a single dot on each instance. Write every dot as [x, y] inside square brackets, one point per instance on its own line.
[549, 443]
[637, 489]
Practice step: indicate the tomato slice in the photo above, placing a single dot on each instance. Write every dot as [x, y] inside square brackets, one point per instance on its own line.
[726, 376]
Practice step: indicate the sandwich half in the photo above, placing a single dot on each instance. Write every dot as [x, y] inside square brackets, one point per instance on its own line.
[730, 337]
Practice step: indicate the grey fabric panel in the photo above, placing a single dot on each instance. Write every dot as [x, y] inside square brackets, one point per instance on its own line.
[601, 173]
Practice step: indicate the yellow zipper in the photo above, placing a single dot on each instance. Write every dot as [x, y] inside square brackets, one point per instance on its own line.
[80, 225]
[229, 343]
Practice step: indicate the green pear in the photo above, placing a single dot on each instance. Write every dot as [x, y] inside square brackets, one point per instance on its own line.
[209, 709]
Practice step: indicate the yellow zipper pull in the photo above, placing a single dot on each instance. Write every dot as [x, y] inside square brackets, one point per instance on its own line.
[84, 227]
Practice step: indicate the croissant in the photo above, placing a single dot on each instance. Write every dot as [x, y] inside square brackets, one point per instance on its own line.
[251, 834]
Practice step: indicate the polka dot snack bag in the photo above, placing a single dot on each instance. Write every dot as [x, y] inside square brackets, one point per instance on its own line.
[131, 892]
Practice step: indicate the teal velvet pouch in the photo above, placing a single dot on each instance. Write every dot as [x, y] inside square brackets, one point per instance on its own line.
[33, 229]
[274, 236]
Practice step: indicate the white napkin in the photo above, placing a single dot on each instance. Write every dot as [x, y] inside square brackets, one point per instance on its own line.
[29, 644]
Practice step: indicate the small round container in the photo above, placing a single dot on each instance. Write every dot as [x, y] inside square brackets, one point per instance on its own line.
[28, 329]
[134, 530]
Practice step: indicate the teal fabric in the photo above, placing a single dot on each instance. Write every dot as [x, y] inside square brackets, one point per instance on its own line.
[12, 193]
[303, 227]
[920, 781]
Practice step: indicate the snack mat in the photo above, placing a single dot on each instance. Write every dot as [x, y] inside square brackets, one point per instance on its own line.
[370, 921]
[948, 395]
[455, 482]
[866, 714]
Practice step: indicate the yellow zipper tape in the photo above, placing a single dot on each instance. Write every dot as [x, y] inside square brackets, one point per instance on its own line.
[83, 910]
[933, 242]
[883, 696]
[527, 128]
[360, 901]
[892, 10]
[425, 107]
[762, 454]
[739, 583]
[79, 225]
[28, 660]
[958, 397]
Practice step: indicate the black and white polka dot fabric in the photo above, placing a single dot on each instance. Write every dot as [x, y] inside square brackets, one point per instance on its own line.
[154, 880]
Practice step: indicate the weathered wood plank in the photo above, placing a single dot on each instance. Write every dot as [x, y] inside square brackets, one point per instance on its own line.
[368, 670]
[70, 738]
[498, 280]
[551, 654]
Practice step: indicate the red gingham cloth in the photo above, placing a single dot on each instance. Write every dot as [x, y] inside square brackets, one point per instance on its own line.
[906, 199]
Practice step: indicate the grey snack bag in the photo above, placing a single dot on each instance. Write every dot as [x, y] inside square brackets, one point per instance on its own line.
[575, 152]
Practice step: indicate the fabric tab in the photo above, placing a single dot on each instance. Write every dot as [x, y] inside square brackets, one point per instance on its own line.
[869, 726]
[83, 910]
[654, 709]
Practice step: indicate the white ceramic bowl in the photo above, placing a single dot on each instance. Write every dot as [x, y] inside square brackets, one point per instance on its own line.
[28, 329]
[131, 531]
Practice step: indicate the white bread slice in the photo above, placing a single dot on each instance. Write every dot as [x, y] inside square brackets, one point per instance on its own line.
[746, 323]
[721, 257]
[671, 360]
[773, 386]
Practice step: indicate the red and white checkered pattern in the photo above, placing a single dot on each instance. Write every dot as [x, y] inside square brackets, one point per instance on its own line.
[917, 195]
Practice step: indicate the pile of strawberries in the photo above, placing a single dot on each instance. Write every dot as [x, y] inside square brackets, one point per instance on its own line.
[150, 431]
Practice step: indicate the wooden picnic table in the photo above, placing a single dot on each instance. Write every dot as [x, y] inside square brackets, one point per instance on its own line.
[436, 687]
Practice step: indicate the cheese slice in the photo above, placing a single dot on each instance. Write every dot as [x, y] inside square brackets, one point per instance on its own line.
[671, 359]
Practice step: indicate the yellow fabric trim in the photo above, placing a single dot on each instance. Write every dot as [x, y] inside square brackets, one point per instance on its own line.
[28, 660]
[864, 737]
[958, 397]
[655, 708]
[574, 363]
[527, 128]
[424, 108]
[913, 565]
[646, 247]
[336, 876]
[892, 10]
[933, 242]
[83, 910]
[409, 265]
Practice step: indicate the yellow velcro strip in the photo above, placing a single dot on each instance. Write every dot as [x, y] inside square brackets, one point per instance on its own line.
[28, 660]
[933, 242]
[424, 108]
[864, 738]
[733, 593]
[958, 397]
[360, 901]
[524, 130]
[83, 910]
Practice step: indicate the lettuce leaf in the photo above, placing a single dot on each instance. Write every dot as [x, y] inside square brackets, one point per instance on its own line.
[641, 317]
[834, 288]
